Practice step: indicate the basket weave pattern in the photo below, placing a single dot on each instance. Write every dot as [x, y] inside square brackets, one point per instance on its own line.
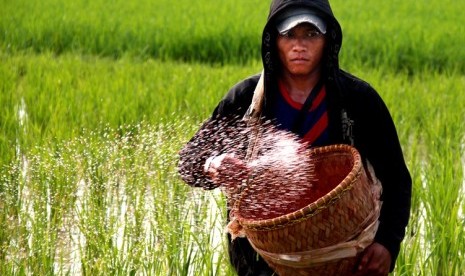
[341, 207]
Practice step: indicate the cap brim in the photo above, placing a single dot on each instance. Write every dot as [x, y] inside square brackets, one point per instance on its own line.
[292, 21]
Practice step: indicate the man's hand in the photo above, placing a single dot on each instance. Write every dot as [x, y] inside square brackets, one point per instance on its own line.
[375, 260]
[227, 171]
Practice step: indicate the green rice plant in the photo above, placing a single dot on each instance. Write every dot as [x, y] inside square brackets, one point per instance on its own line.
[429, 118]
[105, 193]
[110, 202]
[407, 36]
[183, 31]
[35, 205]
[58, 97]
[10, 206]
[444, 190]
[86, 188]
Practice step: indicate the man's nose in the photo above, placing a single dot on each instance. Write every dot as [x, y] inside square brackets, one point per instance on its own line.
[299, 44]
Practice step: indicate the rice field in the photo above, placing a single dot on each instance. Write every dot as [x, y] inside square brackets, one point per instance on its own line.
[97, 98]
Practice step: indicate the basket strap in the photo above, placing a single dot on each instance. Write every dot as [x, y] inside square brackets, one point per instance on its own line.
[255, 108]
[253, 117]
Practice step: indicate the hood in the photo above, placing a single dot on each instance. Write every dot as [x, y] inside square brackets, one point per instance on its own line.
[269, 53]
[266, 89]
[333, 35]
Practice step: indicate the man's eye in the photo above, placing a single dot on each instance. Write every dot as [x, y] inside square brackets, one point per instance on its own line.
[308, 34]
[289, 35]
[313, 33]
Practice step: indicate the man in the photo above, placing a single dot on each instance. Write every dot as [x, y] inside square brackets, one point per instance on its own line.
[307, 93]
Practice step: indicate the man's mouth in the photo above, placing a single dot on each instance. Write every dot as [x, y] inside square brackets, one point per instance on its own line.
[299, 60]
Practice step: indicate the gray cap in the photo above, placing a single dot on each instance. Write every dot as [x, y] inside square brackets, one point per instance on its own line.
[297, 15]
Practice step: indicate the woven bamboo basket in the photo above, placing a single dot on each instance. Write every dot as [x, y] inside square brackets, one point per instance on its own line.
[338, 208]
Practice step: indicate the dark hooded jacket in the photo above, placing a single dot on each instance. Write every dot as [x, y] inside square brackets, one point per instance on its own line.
[357, 116]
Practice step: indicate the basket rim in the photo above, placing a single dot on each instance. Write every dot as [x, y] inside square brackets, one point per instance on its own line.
[315, 207]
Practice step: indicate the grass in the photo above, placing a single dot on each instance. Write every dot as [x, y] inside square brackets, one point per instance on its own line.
[106, 203]
[403, 35]
[85, 92]
[183, 31]
[98, 98]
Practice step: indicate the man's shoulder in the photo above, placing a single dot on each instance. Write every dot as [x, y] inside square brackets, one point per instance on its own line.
[356, 88]
[238, 98]
[353, 82]
[359, 93]
[245, 85]
[242, 90]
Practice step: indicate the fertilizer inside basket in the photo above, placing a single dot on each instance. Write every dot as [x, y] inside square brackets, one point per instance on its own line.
[272, 194]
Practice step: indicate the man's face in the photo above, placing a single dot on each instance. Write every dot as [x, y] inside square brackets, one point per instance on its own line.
[301, 50]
